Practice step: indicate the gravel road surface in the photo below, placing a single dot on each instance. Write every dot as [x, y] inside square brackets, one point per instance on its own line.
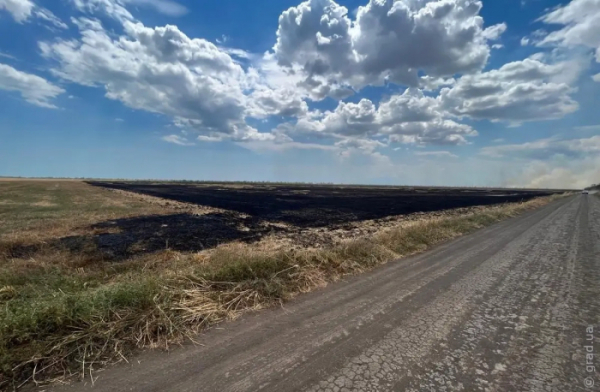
[513, 307]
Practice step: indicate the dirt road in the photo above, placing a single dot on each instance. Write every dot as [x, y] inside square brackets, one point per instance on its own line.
[504, 309]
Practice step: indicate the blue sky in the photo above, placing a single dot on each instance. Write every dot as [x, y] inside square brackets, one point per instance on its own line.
[448, 92]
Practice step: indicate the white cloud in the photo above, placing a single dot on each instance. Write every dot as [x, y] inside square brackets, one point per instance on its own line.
[112, 8]
[274, 146]
[366, 145]
[265, 102]
[596, 78]
[159, 70]
[22, 10]
[33, 89]
[439, 154]
[437, 132]
[429, 83]
[525, 41]
[176, 139]
[389, 40]
[410, 117]
[320, 51]
[200, 85]
[581, 25]
[167, 7]
[293, 78]
[8, 56]
[524, 90]
[547, 149]
[48, 16]
[351, 119]
[411, 106]
[117, 9]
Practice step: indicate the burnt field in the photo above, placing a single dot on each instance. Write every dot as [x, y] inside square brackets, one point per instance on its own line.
[207, 215]
[322, 205]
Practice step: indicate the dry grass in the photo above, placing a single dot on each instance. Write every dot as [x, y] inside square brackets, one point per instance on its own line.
[65, 314]
[47, 209]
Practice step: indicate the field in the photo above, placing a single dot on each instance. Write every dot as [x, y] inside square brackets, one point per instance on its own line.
[292, 215]
[91, 271]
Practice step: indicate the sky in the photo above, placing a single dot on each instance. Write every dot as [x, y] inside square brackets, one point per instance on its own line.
[407, 92]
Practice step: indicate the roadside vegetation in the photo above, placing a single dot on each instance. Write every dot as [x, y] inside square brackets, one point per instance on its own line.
[66, 312]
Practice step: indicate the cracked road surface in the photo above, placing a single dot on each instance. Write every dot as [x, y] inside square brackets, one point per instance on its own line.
[503, 309]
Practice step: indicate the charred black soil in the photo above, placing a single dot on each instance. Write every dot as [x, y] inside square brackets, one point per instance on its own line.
[293, 216]
[321, 206]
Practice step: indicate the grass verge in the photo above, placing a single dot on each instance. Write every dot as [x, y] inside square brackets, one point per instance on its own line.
[62, 317]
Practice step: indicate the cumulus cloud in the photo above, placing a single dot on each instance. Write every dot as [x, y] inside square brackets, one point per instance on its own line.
[34, 89]
[411, 106]
[438, 48]
[22, 10]
[410, 117]
[351, 119]
[202, 86]
[415, 118]
[159, 70]
[524, 90]
[390, 40]
[438, 132]
[265, 102]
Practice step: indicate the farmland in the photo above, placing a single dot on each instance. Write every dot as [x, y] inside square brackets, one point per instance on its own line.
[91, 271]
[322, 205]
[303, 214]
